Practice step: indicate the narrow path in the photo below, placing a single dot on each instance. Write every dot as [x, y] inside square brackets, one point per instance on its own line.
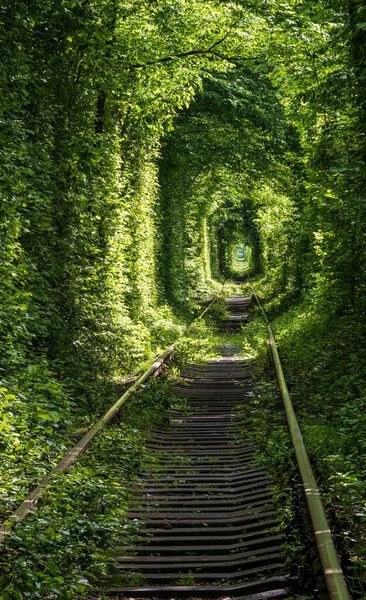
[210, 524]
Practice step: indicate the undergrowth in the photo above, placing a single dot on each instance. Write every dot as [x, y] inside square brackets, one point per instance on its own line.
[42, 415]
[324, 365]
[36, 418]
[65, 546]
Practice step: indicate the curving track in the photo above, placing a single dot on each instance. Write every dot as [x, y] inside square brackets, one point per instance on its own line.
[210, 524]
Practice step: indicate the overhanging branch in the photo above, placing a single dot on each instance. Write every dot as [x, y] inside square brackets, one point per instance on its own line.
[193, 53]
[197, 52]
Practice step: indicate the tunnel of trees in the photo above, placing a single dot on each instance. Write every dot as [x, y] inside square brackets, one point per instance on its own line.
[142, 144]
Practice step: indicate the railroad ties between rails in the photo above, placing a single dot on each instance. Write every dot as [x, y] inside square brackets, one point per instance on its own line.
[209, 521]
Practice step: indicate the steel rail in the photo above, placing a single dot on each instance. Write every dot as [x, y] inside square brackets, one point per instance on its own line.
[333, 574]
[30, 502]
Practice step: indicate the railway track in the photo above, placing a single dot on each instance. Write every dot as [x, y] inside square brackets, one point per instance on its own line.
[209, 525]
[209, 519]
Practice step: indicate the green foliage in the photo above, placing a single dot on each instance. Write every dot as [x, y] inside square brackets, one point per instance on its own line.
[66, 545]
[140, 145]
[36, 416]
[324, 364]
[81, 300]
[222, 149]
[89, 89]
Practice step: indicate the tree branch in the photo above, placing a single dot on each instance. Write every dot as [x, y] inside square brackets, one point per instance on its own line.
[220, 41]
[196, 52]
[192, 53]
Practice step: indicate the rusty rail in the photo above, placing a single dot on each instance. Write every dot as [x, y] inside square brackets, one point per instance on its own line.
[29, 503]
[333, 574]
